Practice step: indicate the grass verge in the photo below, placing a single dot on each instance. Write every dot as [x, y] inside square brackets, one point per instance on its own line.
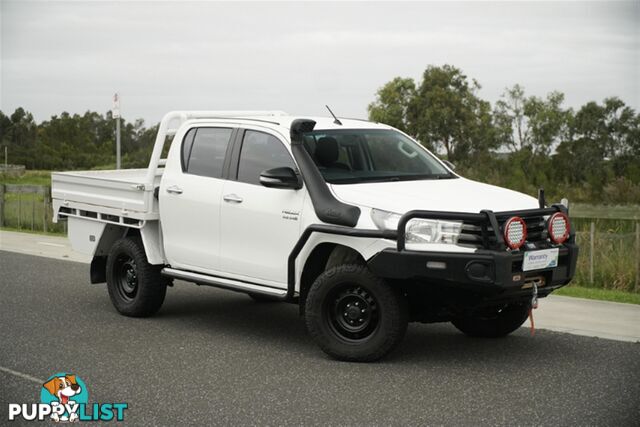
[40, 232]
[31, 177]
[599, 294]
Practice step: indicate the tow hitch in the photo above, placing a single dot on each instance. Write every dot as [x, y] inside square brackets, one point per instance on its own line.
[533, 306]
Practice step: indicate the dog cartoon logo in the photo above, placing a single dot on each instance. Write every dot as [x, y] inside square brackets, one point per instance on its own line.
[64, 398]
[66, 390]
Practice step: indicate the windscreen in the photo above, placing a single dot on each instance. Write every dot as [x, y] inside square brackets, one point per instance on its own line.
[371, 155]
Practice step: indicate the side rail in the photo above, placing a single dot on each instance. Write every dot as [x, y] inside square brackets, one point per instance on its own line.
[488, 222]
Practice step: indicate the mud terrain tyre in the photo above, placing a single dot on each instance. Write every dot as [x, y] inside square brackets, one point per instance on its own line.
[354, 315]
[136, 288]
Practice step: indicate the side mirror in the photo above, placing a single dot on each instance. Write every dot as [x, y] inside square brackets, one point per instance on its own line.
[449, 164]
[284, 177]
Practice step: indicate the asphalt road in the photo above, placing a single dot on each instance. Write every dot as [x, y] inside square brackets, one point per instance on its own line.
[216, 357]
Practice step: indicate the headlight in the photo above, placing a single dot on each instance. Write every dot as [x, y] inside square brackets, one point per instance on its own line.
[385, 220]
[419, 230]
[432, 231]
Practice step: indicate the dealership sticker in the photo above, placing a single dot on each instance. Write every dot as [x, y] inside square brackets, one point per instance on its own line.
[64, 398]
[537, 260]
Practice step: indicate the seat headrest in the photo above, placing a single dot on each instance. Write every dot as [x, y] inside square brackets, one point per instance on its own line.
[327, 151]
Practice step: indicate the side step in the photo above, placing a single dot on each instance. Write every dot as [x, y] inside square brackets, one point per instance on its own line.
[220, 282]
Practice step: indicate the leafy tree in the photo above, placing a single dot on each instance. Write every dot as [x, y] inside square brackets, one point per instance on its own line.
[621, 124]
[443, 112]
[612, 125]
[510, 119]
[547, 121]
[446, 113]
[530, 123]
[18, 133]
[392, 102]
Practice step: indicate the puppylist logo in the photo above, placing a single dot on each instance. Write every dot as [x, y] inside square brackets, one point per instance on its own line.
[64, 398]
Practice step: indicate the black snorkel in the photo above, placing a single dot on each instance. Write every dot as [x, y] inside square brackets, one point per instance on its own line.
[328, 209]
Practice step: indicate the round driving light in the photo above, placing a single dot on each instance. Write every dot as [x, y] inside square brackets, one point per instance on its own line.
[558, 226]
[515, 232]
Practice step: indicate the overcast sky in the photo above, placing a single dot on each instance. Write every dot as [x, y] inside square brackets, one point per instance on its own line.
[72, 56]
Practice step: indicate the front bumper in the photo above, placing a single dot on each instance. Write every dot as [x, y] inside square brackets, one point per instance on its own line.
[491, 270]
[482, 272]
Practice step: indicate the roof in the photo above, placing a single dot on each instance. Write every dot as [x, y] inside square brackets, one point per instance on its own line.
[284, 121]
[327, 123]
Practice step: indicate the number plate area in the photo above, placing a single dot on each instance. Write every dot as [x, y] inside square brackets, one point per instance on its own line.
[538, 260]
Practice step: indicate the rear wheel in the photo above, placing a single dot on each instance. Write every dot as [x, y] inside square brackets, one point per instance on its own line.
[495, 322]
[136, 288]
[354, 315]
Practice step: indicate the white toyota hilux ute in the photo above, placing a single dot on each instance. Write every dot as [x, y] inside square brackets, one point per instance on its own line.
[354, 221]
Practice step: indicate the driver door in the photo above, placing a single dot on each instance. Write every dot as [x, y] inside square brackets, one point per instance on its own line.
[259, 225]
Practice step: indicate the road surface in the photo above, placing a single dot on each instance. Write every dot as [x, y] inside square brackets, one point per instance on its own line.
[216, 357]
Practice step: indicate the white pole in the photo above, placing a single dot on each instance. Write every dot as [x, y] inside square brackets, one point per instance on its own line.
[118, 143]
[5, 159]
[116, 115]
[637, 285]
[592, 248]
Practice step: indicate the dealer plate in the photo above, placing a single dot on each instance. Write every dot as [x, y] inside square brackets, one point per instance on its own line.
[537, 260]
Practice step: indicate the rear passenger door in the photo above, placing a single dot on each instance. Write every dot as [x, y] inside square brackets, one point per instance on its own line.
[260, 225]
[190, 194]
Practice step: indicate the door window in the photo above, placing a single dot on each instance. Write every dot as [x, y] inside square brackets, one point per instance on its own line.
[261, 151]
[187, 143]
[203, 153]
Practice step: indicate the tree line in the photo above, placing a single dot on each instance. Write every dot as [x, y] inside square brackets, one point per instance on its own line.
[523, 142]
[68, 142]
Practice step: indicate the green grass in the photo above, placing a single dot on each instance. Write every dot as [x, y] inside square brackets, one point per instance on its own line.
[32, 177]
[614, 260]
[39, 232]
[599, 294]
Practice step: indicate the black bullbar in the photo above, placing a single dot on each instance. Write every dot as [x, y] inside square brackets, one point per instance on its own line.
[492, 268]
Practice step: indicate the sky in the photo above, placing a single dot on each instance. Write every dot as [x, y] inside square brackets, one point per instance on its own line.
[297, 57]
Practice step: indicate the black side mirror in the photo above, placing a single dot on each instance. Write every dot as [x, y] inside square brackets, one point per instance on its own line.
[449, 164]
[284, 177]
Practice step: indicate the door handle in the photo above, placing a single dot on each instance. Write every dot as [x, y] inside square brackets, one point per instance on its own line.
[174, 189]
[232, 198]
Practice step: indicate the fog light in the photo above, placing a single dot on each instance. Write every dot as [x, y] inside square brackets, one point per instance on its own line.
[436, 265]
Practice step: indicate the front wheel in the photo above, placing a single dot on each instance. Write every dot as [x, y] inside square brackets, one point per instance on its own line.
[495, 322]
[136, 288]
[354, 315]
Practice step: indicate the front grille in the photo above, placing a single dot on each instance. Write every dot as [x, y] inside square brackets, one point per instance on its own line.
[482, 236]
[473, 236]
[536, 231]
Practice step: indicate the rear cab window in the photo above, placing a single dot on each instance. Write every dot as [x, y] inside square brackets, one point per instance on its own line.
[204, 150]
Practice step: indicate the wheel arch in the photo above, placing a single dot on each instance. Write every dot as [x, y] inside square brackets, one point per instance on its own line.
[322, 257]
[151, 241]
